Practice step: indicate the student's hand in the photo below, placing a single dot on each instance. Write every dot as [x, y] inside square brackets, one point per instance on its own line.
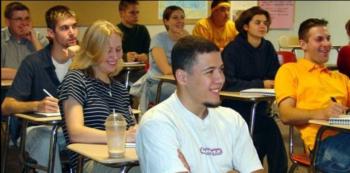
[142, 58]
[131, 56]
[72, 50]
[333, 110]
[269, 83]
[183, 160]
[131, 134]
[48, 104]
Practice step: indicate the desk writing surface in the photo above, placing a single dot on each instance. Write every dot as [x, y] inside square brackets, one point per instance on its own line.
[169, 78]
[6, 83]
[133, 65]
[245, 97]
[38, 118]
[99, 153]
[326, 123]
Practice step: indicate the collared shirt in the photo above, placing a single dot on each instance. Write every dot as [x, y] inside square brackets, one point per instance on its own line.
[35, 73]
[312, 86]
[220, 36]
[13, 51]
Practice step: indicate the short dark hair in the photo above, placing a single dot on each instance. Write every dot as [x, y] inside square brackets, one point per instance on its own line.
[347, 27]
[14, 6]
[307, 25]
[185, 52]
[217, 2]
[123, 4]
[247, 15]
[168, 11]
[55, 13]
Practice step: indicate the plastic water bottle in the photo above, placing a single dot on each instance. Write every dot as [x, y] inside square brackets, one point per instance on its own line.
[116, 134]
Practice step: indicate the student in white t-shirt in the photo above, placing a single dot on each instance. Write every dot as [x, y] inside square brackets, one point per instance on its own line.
[190, 132]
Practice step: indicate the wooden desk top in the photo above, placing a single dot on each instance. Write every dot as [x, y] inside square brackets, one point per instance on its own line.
[245, 97]
[326, 123]
[6, 83]
[99, 153]
[168, 78]
[38, 118]
[133, 65]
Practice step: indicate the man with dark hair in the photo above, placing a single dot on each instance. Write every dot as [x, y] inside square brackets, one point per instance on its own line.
[343, 61]
[43, 69]
[190, 132]
[136, 39]
[251, 62]
[217, 27]
[307, 90]
[18, 39]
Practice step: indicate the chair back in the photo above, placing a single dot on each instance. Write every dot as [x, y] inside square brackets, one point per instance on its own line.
[286, 41]
[286, 56]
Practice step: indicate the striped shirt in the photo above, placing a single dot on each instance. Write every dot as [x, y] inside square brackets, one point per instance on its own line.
[97, 98]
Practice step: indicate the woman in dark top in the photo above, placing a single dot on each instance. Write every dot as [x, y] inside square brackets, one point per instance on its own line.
[250, 61]
[88, 93]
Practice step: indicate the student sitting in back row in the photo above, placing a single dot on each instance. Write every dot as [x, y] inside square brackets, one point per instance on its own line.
[251, 62]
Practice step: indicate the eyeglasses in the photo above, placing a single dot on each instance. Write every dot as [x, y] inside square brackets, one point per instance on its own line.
[20, 19]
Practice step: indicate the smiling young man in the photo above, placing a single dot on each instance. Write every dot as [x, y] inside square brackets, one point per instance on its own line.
[18, 39]
[43, 69]
[218, 27]
[190, 132]
[304, 91]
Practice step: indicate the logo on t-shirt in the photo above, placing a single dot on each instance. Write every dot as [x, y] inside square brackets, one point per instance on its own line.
[210, 151]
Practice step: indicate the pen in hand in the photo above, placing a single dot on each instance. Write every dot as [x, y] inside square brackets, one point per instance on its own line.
[333, 100]
[47, 93]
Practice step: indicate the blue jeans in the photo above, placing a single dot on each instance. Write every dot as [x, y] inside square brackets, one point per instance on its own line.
[334, 154]
[38, 144]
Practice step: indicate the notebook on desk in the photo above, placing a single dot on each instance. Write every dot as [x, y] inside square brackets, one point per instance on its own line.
[341, 120]
[48, 114]
[130, 145]
[262, 91]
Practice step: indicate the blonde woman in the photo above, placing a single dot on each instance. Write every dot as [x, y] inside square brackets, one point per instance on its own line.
[88, 93]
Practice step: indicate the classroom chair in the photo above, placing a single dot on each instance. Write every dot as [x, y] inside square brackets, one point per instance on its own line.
[286, 56]
[290, 42]
[298, 159]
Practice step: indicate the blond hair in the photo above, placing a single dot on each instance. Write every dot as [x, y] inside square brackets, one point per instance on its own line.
[93, 46]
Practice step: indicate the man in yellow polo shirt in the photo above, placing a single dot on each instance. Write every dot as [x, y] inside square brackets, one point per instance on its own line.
[218, 27]
[304, 91]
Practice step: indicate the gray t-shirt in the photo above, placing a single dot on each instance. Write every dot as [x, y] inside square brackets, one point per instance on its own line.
[14, 51]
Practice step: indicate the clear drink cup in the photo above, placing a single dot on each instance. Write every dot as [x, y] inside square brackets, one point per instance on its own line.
[116, 135]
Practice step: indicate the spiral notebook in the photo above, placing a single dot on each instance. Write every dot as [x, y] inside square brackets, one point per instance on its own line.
[341, 120]
[261, 91]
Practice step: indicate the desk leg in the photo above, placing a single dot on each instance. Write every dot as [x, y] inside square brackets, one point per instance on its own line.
[6, 144]
[127, 79]
[159, 91]
[52, 151]
[252, 118]
[80, 165]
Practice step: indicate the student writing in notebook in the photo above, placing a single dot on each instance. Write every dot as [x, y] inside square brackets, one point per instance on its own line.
[44, 69]
[304, 91]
